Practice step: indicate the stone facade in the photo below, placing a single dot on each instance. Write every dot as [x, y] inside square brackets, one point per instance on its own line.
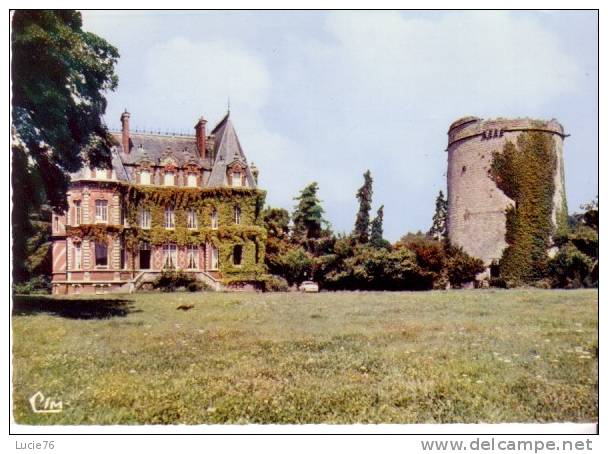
[476, 206]
[201, 166]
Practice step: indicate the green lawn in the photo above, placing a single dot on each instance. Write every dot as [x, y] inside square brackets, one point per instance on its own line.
[452, 356]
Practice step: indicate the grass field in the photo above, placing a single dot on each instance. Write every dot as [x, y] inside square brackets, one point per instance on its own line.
[455, 356]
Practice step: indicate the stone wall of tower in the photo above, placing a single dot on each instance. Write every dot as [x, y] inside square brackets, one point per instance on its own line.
[476, 206]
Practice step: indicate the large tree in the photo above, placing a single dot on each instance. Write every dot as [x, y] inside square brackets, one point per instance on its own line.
[364, 195]
[59, 74]
[308, 215]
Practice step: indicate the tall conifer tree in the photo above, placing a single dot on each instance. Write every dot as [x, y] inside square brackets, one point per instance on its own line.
[364, 195]
[439, 229]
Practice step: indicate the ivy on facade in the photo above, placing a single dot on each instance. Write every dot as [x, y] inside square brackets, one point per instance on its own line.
[249, 232]
[525, 172]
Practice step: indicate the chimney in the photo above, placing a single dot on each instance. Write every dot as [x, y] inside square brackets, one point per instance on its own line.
[124, 119]
[201, 137]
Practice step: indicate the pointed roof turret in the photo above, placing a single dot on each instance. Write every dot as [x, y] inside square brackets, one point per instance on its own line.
[227, 151]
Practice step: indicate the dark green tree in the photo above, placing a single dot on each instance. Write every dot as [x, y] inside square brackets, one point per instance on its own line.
[377, 230]
[308, 215]
[60, 75]
[439, 229]
[364, 195]
[276, 221]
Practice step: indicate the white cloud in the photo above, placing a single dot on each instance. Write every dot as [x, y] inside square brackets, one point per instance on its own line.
[352, 91]
[478, 60]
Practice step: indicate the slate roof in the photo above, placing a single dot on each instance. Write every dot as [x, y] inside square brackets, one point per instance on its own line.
[155, 147]
[227, 150]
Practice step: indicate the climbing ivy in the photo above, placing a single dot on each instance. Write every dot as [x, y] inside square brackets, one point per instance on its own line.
[249, 232]
[525, 172]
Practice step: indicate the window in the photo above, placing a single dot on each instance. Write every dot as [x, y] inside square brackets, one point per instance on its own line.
[214, 219]
[101, 174]
[192, 222]
[169, 179]
[144, 177]
[192, 180]
[215, 258]
[101, 255]
[56, 223]
[192, 258]
[236, 179]
[145, 218]
[237, 215]
[77, 256]
[123, 256]
[237, 255]
[77, 212]
[169, 218]
[144, 256]
[101, 211]
[170, 256]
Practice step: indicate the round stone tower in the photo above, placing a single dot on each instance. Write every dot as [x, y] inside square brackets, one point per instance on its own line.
[476, 206]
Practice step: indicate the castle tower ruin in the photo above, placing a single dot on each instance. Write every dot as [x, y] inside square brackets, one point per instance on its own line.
[476, 205]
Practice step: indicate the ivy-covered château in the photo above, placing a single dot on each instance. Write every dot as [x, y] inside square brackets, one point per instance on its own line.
[168, 202]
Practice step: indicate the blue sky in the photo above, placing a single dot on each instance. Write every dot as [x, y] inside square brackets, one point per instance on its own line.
[323, 96]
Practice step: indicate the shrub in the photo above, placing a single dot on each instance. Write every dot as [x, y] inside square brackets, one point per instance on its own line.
[498, 282]
[296, 265]
[169, 281]
[461, 267]
[38, 285]
[275, 284]
[195, 286]
[570, 267]
[430, 257]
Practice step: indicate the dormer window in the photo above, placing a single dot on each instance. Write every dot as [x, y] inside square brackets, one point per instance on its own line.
[236, 179]
[192, 180]
[144, 177]
[169, 179]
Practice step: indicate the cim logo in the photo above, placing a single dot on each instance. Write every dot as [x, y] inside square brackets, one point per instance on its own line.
[41, 404]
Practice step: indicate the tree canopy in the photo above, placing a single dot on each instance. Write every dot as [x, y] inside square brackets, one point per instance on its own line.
[59, 76]
[308, 214]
